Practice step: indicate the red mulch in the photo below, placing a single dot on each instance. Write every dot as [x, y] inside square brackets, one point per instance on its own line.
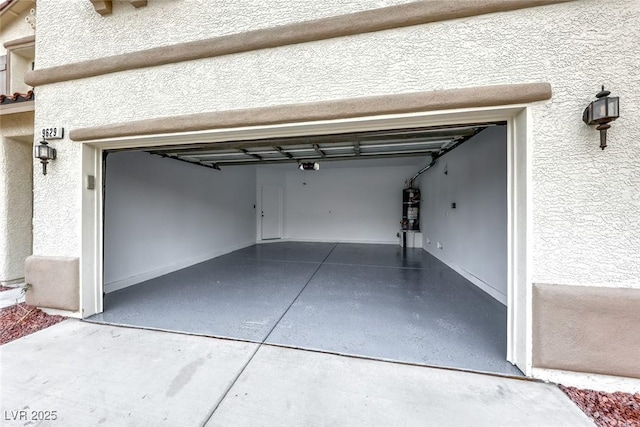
[20, 320]
[607, 409]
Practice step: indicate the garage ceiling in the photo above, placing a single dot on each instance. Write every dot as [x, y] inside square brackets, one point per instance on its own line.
[431, 141]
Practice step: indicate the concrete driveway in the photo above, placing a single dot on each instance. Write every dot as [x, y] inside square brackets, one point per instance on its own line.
[80, 374]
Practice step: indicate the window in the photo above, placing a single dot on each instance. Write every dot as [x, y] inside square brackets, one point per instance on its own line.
[18, 61]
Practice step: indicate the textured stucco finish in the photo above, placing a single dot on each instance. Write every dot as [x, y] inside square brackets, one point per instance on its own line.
[586, 329]
[15, 193]
[19, 125]
[16, 136]
[55, 282]
[409, 14]
[15, 30]
[585, 203]
[327, 110]
[15, 207]
[128, 29]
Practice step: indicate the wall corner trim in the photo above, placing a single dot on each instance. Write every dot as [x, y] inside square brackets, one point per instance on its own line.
[18, 42]
[138, 3]
[55, 282]
[103, 7]
[439, 100]
[386, 18]
[586, 329]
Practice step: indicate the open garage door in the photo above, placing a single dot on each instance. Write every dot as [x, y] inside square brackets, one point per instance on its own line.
[418, 142]
[186, 247]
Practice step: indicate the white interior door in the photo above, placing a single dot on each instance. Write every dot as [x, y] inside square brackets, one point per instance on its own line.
[271, 212]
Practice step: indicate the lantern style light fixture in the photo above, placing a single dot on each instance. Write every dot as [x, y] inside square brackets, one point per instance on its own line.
[45, 153]
[309, 166]
[601, 112]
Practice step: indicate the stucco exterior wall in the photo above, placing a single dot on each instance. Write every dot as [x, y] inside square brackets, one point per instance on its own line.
[18, 125]
[161, 23]
[16, 29]
[15, 194]
[586, 203]
[16, 136]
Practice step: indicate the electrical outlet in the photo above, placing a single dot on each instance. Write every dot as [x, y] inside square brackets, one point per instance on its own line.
[439, 245]
[428, 241]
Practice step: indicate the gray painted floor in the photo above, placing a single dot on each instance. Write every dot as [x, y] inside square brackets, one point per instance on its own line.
[103, 375]
[374, 301]
[230, 296]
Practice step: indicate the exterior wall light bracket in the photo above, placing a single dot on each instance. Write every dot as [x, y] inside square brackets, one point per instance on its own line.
[45, 153]
[601, 112]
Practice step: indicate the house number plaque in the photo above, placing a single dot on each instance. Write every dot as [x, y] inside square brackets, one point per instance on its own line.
[53, 133]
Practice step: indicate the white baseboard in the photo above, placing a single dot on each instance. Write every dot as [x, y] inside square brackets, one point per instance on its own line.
[376, 242]
[598, 382]
[494, 293]
[130, 281]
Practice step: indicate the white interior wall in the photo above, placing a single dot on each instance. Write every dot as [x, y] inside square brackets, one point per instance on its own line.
[473, 236]
[162, 215]
[342, 202]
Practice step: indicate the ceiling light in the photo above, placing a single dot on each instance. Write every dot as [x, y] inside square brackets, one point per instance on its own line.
[309, 166]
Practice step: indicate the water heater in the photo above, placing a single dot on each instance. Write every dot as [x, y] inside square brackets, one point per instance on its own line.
[410, 209]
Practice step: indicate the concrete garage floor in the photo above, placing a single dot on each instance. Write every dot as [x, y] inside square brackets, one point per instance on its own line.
[373, 301]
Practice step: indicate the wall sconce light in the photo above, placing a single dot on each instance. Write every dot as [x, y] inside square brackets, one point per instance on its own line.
[309, 166]
[45, 153]
[601, 112]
